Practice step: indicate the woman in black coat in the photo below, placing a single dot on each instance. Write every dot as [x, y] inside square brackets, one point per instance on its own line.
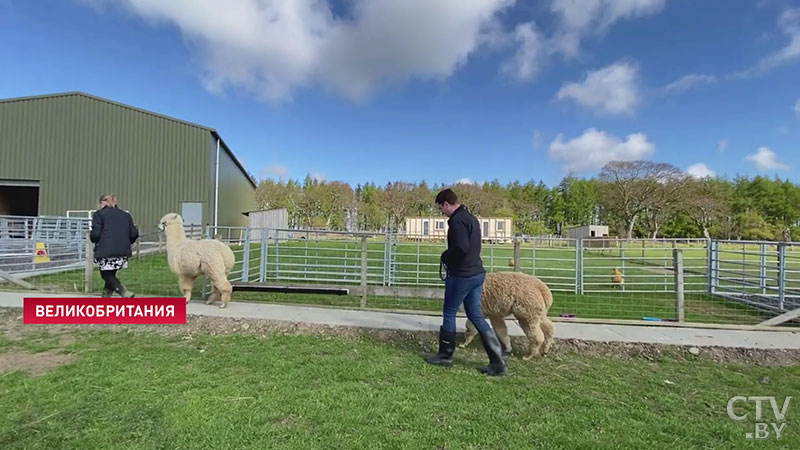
[113, 232]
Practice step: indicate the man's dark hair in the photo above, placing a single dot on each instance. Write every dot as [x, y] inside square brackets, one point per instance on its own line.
[446, 195]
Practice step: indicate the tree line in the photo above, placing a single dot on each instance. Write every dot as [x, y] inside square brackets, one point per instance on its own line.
[634, 198]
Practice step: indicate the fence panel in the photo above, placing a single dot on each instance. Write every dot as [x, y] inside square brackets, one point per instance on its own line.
[600, 278]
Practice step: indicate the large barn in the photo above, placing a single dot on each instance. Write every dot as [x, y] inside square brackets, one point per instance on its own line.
[62, 151]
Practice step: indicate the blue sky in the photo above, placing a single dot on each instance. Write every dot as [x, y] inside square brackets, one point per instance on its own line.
[368, 90]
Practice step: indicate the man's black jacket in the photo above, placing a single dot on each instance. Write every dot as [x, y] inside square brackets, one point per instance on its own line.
[113, 232]
[463, 254]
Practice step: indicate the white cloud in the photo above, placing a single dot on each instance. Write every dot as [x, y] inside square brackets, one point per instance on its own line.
[797, 107]
[766, 159]
[536, 140]
[465, 181]
[687, 82]
[722, 146]
[530, 56]
[594, 149]
[700, 170]
[580, 18]
[610, 90]
[275, 170]
[317, 176]
[788, 24]
[273, 48]
[575, 20]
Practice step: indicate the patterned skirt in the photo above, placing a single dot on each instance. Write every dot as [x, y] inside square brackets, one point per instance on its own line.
[115, 263]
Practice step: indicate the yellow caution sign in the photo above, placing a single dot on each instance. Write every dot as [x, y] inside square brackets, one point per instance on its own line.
[40, 255]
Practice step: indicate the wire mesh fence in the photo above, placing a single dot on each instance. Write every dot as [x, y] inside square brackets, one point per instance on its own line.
[599, 278]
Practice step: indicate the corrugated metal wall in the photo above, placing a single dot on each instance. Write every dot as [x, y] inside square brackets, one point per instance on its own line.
[236, 194]
[79, 147]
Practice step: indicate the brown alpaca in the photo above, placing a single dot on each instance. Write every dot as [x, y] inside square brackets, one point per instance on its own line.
[523, 296]
[616, 278]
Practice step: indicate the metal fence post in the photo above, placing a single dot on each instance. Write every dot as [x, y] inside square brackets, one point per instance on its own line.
[262, 260]
[712, 257]
[582, 271]
[419, 255]
[781, 273]
[205, 289]
[393, 260]
[709, 265]
[78, 243]
[386, 249]
[88, 274]
[364, 252]
[677, 256]
[763, 269]
[246, 255]
[516, 254]
[578, 267]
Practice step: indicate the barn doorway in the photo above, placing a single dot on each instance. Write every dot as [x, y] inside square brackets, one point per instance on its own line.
[19, 198]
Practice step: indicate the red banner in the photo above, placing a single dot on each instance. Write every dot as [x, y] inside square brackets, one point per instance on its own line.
[79, 310]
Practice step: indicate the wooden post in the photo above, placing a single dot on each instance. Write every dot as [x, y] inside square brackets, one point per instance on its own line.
[364, 271]
[677, 256]
[88, 274]
[517, 246]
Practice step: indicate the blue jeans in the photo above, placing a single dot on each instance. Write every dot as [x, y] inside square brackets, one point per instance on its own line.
[465, 290]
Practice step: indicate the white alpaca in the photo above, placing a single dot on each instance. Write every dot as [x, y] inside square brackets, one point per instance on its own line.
[190, 258]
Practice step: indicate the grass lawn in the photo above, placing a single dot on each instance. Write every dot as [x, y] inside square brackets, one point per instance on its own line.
[147, 391]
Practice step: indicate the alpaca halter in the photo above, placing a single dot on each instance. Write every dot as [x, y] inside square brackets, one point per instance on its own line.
[163, 226]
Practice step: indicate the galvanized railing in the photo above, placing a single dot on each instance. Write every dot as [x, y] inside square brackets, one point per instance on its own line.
[41, 244]
[759, 273]
[34, 246]
[567, 265]
[737, 281]
[303, 256]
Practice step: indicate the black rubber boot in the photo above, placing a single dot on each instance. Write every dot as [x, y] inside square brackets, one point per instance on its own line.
[124, 292]
[107, 293]
[497, 366]
[447, 346]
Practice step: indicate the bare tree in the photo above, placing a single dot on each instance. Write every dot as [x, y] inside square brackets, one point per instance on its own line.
[479, 201]
[654, 218]
[705, 202]
[399, 200]
[631, 187]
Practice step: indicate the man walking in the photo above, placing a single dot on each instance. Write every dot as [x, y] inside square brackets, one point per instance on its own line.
[464, 284]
